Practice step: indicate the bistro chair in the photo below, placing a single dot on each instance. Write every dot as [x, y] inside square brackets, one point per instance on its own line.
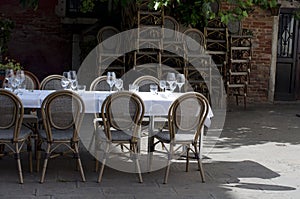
[99, 84]
[12, 135]
[31, 118]
[62, 113]
[31, 81]
[109, 56]
[186, 122]
[52, 82]
[144, 82]
[122, 113]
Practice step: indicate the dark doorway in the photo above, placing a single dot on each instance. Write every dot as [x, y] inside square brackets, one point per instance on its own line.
[288, 55]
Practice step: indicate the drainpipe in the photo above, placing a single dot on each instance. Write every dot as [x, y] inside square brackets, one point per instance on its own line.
[271, 91]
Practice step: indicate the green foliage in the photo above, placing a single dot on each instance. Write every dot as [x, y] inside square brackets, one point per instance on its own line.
[191, 12]
[10, 64]
[33, 4]
[6, 26]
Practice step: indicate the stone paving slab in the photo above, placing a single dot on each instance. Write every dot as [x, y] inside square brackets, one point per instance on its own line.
[257, 156]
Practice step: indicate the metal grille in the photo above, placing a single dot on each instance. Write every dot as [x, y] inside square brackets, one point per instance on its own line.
[286, 35]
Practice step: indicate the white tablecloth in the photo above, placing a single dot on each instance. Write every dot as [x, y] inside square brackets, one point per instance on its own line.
[155, 104]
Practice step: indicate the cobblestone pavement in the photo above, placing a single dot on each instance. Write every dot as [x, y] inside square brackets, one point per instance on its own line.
[257, 156]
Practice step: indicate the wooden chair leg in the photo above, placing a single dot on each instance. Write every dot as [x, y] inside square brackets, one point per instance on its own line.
[170, 155]
[17, 156]
[199, 163]
[137, 162]
[79, 161]
[103, 163]
[47, 156]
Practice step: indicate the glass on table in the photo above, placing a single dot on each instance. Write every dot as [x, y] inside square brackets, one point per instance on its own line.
[119, 84]
[81, 89]
[153, 89]
[162, 85]
[180, 80]
[9, 76]
[171, 79]
[20, 75]
[111, 78]
[65, 80]
[73, 79]
[133, 88]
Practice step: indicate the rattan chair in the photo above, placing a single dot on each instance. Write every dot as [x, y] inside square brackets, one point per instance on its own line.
[122, 113]
[52, 82]
[144, 82]
[110, 57]
[99, 84]
[186, 122]
[31, 117]
[31, 81]
[12, 135]
[62, 113]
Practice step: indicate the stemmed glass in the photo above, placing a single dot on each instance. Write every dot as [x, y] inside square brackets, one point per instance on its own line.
[119, 84]
[20, 78]
[9, 76]
[162, 85]
[65, 80]
[73, 79]
[180, 80]
[111, 78]
[171, 79]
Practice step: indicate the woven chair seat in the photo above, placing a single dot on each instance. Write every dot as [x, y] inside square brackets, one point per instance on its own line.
[5, 134]
[58, 135]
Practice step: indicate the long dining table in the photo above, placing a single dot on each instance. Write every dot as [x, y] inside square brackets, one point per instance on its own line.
[156, 105]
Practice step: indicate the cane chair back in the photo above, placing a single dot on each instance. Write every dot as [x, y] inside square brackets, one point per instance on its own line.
[109, 55]
[99, 84]
[30, 118]
[144, 82]
[62, 113]
[11, 133]
[191, 47]
[172, 24]
[122, 113]
[31, 81]
[52, 82]
[186, 121]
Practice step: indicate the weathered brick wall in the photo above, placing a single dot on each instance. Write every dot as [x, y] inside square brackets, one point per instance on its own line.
[260, 22]
[39, 41]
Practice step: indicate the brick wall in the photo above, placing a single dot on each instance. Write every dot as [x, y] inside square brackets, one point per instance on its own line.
[39, 41]
[261, 23]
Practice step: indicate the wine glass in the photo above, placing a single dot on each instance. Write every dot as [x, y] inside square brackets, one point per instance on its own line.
[119, 84]
[73, 79]
[65, 80]
[111, 78]
[171, 79]
[180, 80]
[20, 78]
[162, 85]
[9, 76]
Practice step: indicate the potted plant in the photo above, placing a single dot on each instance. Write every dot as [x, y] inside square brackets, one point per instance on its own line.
[8, 64]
